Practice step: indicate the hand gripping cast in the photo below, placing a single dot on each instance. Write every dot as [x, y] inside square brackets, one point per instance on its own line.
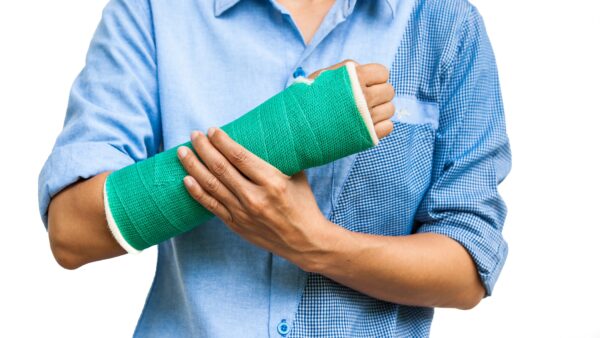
[311, 123]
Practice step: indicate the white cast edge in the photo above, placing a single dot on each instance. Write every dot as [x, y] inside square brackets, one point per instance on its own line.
[305, 80]
[361, 102]
[114, 229]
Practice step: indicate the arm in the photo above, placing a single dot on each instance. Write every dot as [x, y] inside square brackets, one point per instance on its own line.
[77, 225]
[130, 186]
[279, 213]
[422, 269]
[146, 203]
[456, 255]
[458, 251]
[112, 121]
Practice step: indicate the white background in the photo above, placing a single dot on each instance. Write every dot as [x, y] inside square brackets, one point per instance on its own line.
[549, 60]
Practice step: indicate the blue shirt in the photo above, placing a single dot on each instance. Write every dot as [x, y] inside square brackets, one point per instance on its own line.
[156, 70]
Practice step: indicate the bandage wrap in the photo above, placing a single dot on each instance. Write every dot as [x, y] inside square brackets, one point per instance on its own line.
[306, 125]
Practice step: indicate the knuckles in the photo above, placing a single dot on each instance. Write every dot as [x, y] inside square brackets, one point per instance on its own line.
[211, 204]
[255, 205]
[219, 168]
[277, 188]
[273, 194]
[196, 194]
[240, 156]
[372, 70]
[190, 162]
[212, 184]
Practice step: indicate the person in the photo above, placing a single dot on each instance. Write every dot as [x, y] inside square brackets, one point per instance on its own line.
[365, 246]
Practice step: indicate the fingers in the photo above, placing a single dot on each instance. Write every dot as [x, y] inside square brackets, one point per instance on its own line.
[207, 182]
[255, 168]
[337, 65]
[384, 128]
[382, 112]
[368, 74]
[218, 165]
[373, 78]
[210, 203]
[216, 175]
[379, 94]
[372, 74]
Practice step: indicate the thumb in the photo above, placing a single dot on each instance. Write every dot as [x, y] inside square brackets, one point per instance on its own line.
[314, 74]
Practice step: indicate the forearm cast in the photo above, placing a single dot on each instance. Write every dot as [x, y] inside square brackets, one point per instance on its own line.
[306, 125]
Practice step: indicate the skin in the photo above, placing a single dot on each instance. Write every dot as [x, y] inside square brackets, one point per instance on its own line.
[307, 15]
[279, 213]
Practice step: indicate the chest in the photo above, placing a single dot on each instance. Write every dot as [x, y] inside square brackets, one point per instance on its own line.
[307, 15]
[214, 69]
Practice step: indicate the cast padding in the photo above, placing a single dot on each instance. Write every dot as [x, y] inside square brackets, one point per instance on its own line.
[306, 125]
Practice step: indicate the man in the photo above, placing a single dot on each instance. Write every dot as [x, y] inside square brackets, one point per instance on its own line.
[364, 246]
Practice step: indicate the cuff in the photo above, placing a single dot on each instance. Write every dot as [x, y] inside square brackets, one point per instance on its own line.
[485, 245]
[114, 229]
[70, 163]
[361, 101]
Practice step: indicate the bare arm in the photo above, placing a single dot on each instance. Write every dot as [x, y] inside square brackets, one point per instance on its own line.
[77, 225]
[421, 269]
[116, 88]
[279, 213]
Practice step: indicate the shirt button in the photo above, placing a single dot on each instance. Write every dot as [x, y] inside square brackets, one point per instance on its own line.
[283, 328]
[299, 72]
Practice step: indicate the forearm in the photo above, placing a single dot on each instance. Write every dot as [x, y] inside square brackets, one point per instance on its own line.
[77, 225]
[421, 269]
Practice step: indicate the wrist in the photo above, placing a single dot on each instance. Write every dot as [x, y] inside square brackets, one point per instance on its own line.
[330, 243]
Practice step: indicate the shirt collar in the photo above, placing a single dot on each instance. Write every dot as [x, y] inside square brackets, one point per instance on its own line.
[222, 6]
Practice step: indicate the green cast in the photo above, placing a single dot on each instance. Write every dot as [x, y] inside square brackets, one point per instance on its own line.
[304, 126]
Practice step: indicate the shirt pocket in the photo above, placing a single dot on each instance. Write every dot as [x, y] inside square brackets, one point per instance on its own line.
[379, 191]
[409, 110]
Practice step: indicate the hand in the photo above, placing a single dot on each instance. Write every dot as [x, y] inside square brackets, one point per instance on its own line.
[257, 201]
[378, 92]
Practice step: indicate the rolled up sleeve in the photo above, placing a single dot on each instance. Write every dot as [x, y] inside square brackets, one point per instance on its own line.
[472, 154]
[112, 117]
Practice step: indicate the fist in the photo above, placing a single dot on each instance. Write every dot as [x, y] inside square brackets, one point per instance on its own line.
[378, 92]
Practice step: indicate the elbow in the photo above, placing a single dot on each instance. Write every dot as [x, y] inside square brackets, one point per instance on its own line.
[62, 242]
[66, 261]
[471, 297]
[62, 249]
[469, 303]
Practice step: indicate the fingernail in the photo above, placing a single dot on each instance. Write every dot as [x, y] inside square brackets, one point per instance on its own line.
[188, 181]
[182, 152]
[211, 131]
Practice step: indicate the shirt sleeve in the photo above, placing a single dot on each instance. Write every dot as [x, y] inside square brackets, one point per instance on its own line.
[112, 116]
[472, 154]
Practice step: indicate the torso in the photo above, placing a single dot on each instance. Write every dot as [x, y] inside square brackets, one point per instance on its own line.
[215, 67]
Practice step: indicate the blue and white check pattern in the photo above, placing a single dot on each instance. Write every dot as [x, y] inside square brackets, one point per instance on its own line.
[156, 70]
[441, 181]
